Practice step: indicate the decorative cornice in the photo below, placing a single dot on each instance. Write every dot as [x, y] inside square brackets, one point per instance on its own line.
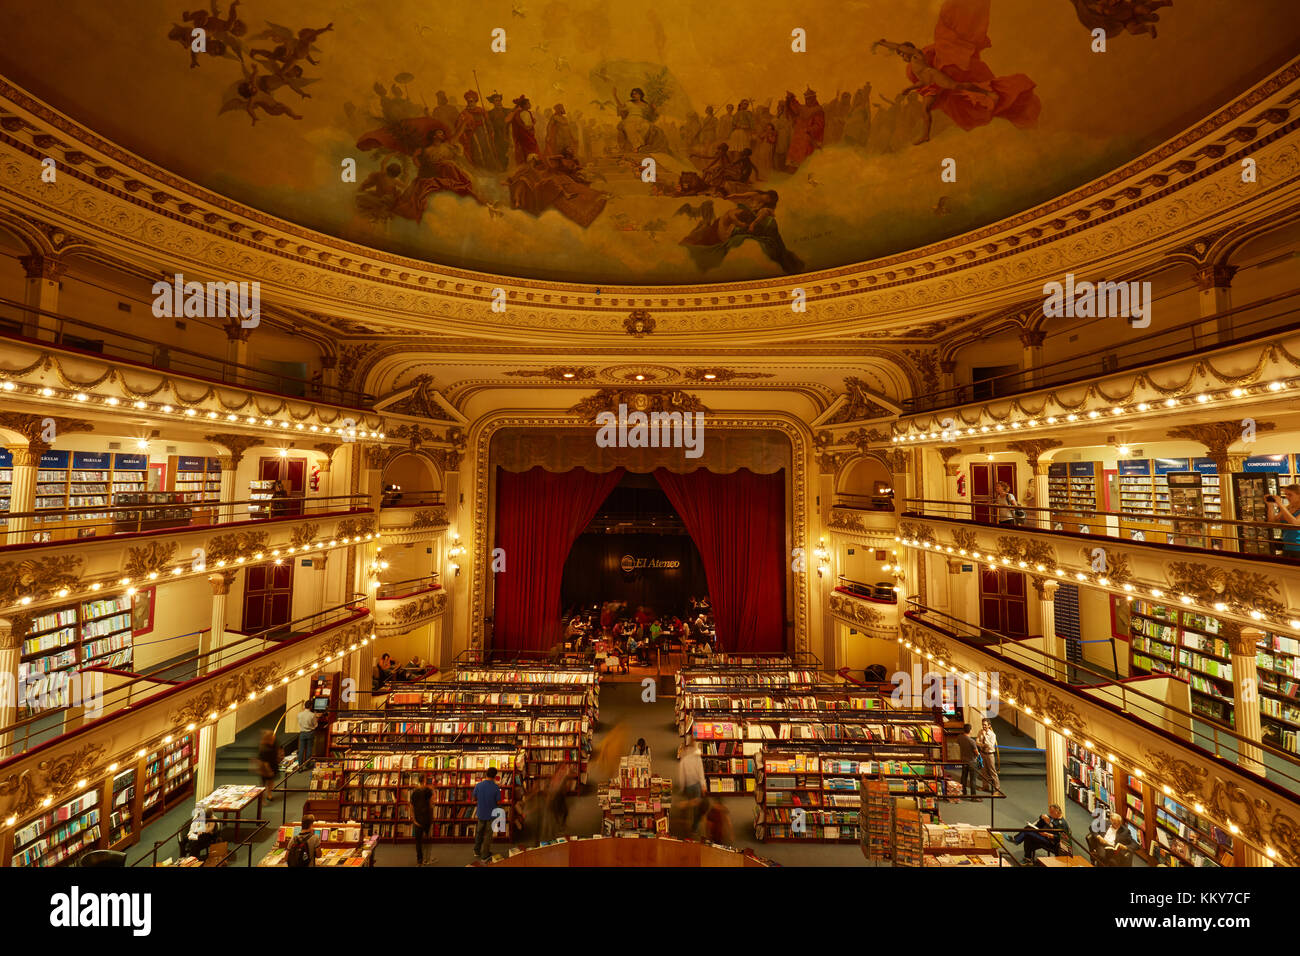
[235, 444]
[38, 578]
[152, 558]
[639, 400]
[1033, 448]
[226, 547]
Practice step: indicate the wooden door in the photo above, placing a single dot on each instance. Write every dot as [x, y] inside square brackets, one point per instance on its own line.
[268, 597]
[1003, 604]
[984, 476]
[292, 473]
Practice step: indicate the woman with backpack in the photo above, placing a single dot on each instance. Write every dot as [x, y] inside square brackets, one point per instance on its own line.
[1008, 508]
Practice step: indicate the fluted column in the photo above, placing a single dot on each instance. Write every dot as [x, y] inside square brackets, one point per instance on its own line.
[1245, 693]
[13, 630]
[1055, 747]
[226, 512]
[1047, 621]
[237, 352]
[41, 292]
[224, 731]
[1041, 500]
[22, 493]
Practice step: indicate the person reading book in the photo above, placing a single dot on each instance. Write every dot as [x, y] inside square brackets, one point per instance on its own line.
[486, 797]
[1045, 833]
[1104, 846]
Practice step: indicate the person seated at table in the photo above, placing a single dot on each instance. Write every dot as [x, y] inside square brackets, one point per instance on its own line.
[412, 669]
[1103, 846]
[1045, 833]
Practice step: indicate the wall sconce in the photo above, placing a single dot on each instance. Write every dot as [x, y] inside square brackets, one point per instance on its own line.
[823, 558]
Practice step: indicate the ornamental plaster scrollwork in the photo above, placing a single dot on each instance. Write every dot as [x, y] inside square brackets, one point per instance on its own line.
[218, 697]
[1231, 586]
[227, 547]
[148, 559]
[38, 578]
[22, 793]
[856, 612]
[355, 527]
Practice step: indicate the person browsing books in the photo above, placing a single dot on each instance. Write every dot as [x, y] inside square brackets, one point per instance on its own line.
[969, 754]
[304, 848]
[691, 778]
[988, 746]
[486, 797]
[421, 801]
[307, 723]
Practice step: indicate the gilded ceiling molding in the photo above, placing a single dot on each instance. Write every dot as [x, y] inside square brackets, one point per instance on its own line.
[198, 225]
[557, 373]
[235, 444]
[481, 437]
[1025, 552]
[1032, 448]
[720, 374]
[1217, 437]
[152, 558]
[35, 427]
[639, 400]
[1237, 588]
[416, 400]
[948, 453]
[304, 534]
[227, 547]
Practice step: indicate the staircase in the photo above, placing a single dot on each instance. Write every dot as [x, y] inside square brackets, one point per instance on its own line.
[236, 759]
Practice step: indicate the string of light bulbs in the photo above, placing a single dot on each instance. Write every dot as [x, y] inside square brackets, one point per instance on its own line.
[1068, 418]
[1128, 590]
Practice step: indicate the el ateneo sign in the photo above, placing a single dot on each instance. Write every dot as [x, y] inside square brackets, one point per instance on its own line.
[633, 563]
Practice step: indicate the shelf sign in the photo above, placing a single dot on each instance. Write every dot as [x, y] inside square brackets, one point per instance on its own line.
[130, 462]
[6, 458]
[189, 463]
[214, 464]
[1135, 466]
[1165, 465]
[1274, 463]
[1057, 470]
[55, 459]
[91, 459]
[1205, 466]
[1081, 469]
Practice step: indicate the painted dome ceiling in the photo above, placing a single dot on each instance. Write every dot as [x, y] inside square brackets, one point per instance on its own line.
[415, 128]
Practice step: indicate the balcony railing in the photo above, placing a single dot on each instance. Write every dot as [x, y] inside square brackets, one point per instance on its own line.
[136, 690]
[1278, 766]
[87, 338]
[395, 590]
[100, 521]
[1230, 327]
[1249, 539]
[881, 593]
[410, 499]
[865, 502]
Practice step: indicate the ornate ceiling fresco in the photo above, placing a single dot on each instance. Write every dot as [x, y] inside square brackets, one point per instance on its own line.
[767, 161]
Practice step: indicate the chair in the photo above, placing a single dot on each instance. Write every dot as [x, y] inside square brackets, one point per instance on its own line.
[102, 859]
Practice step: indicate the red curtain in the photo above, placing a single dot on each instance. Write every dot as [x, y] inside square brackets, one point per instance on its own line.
[737, 521]
[539, 515]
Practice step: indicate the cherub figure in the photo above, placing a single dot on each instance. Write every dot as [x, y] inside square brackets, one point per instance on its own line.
[250, 95]
[221, 36]
[291, 47]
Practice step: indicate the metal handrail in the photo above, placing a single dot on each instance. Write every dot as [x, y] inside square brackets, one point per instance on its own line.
[1140, 347]
[385, 592]
[39, 519]
[411, 499]
[120, 696]
[1043, 519]
[344, 398]
[1137, 704]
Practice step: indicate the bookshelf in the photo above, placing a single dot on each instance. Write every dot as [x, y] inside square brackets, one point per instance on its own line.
[823, 780]
[61, 835]
[49, 652]
[1089, 778]
[130, 473]
[6, 483]
[1277, 659]
[52, 484]
[259, 498]
[635, 801]
[106, 632]
[376, 784]
[1073, 493]
[876, 819]
[195, 478]
[547, 738]
[908, 833]
[1184, 839]
[168, 776]
[122, 826]
[1169, 640]
[156, 509]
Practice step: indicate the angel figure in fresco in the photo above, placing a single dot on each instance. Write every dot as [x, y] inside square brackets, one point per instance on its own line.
[252, 94]
[752, 217]
[949, 74]
[220, 35]
[291, 47]
[1117, 16]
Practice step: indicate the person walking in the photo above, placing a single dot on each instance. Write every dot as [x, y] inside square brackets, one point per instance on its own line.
[987, 741]
[692, 780]
[421, 800]
[969, 753]
[1006, 502]
[307, 723]
[268, 762]
[486, 797]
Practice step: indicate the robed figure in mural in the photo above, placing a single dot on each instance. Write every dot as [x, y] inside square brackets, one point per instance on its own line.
[950, 76]
[523, 130]
[809, 130]
[439, 168]
[474, 134]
